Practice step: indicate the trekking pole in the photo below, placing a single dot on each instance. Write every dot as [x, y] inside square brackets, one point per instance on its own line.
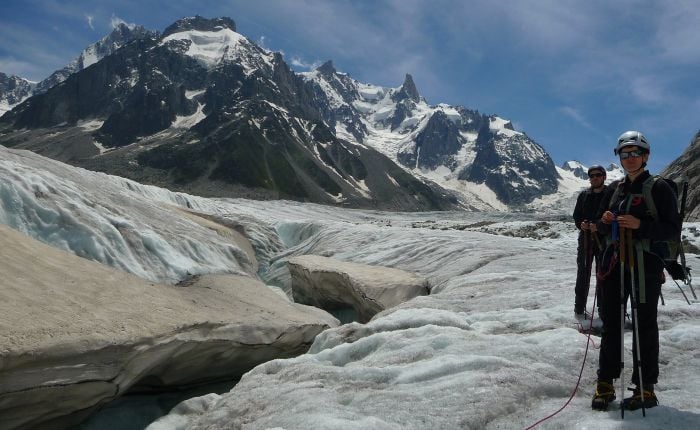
[682, 292]
[598, 245]
[588, 250]
[618, 232]
[691, 287]
[635, 333]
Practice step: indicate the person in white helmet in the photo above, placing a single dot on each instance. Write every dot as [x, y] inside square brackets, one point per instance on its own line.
[638, 230]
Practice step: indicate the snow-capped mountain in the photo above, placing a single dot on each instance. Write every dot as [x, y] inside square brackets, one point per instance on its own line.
[575, 167]
[13, 91]
[203, 109]
[120, 36]
[482, 157]
[613, 171]
[573, 178]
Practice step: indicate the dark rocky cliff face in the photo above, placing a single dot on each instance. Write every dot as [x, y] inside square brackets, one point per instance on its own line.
[332, 114]
[199, 23]
[506, 165]
[687, 167]
[436, 145]
[119, 37]
[135, 94]
[13, 89]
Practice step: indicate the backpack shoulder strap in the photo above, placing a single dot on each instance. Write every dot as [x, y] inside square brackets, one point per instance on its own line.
[648, 198]
[615, 195]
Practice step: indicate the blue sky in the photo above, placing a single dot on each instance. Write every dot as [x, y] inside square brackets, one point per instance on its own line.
[571, 74]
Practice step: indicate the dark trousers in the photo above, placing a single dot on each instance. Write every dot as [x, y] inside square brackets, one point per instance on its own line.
[584, 263]
[610, 346]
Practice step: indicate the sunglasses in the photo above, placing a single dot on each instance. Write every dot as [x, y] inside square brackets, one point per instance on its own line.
[595, 175]
[633, 154]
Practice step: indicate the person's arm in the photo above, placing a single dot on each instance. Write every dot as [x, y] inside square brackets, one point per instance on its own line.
[603, 225]
[578, 210]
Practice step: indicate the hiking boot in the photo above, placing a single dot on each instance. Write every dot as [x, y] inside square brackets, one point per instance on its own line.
[635, 402]
[582, 315]
[604, 394]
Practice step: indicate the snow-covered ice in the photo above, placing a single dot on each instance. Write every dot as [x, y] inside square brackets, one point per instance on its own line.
[494, 345]
[139, 229]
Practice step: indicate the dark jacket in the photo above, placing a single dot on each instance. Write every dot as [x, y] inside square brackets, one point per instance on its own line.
[668, 224]
[588, 206]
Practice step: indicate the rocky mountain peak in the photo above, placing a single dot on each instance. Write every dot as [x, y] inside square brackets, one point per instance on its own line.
[408, 90]
[687, 168]
[13, 90]
[327, 68]
[123, 31]
[575, 167]
[120, 36]
[200, 23]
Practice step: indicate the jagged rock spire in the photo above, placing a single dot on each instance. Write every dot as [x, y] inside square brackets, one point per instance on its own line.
[200, 23]
[408, 90]
[327, 68]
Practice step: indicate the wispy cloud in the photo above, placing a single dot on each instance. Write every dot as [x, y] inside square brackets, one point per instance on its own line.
[576, 116]
[89, 19]
[677, 33]
[303, 64]
[115, 21]
[649, 89]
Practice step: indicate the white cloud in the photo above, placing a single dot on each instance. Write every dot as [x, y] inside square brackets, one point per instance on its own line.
[303, 64]
[89, 19]
[115, 21]
[575, 115]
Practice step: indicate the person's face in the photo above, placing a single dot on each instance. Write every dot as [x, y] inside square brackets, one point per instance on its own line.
[632, 158]
[596, 177]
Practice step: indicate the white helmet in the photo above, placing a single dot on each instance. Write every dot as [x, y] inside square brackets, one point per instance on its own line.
[632, 138]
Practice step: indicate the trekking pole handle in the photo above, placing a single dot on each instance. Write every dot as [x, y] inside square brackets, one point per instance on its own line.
[615, 229]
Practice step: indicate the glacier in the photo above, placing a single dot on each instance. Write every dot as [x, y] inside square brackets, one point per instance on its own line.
[493, 346]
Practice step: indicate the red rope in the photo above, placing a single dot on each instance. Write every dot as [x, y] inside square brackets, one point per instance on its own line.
[583, 365]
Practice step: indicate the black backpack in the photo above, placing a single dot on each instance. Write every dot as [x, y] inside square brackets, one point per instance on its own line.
[668, 250]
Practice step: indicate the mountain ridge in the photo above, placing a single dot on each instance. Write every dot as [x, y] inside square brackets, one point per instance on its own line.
[200, 81]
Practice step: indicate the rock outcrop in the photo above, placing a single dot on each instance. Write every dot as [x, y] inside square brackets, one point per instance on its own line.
[367, 290]
[75, 334]
[687, 168]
